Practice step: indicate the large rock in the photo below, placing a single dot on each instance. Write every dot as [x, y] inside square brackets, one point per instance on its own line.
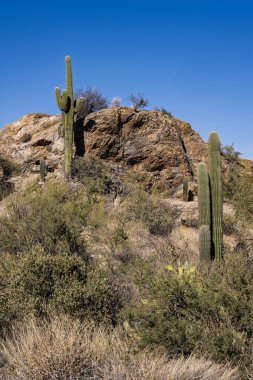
[145, 141]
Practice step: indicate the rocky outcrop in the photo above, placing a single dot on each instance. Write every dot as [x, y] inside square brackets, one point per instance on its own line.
[146, 141]
[31, 138]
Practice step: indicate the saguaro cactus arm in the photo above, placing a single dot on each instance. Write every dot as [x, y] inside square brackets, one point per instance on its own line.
[78, 103]
[63, 100]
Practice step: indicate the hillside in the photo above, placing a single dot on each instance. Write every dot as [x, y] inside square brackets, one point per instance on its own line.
[119, 244]
[156, 146]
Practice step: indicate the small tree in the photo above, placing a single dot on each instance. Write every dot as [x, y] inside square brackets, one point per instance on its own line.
[163, 110]
[138, 101]
[230, 152]
[93, 101]
[116, 102]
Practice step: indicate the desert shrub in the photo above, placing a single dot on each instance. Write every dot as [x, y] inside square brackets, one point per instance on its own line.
[52, 217]
[163, 110]
[116, 102]
[151, 211]
[243, 201]
[230, 185]
[93, 101]
[63, 348]
[229, 224]
[138, 101]
[210, 313]
[90, 171]
[39, 284]
[8, 166]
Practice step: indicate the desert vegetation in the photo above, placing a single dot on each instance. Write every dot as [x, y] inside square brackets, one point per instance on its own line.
[169, 319]
[93, 285]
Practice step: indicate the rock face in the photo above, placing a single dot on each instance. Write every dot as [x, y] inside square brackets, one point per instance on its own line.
[31, 138]
[147, 141]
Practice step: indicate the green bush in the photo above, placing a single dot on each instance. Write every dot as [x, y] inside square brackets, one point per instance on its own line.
[243, 201]
[8, 166]
[40, 284]
[230, 224]
[51, 217]
[211, 313]
[91, 172]
[151, 211]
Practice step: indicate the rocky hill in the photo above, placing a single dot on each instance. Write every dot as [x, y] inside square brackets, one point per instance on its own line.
[148, 141]
[152, 143]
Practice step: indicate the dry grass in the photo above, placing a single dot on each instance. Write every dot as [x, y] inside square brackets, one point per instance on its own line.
[65, 349]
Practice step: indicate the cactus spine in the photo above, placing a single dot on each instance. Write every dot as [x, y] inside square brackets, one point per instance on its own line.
[69, 106]
[185, 188]
[215, 175]
[204, 243]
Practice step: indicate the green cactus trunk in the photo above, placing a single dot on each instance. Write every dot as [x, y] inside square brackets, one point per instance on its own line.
[205, 243]
[69, 119]
[69, 106]
[203, 196]
[215, 175]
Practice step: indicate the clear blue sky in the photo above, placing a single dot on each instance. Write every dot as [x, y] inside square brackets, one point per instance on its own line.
[193, 57]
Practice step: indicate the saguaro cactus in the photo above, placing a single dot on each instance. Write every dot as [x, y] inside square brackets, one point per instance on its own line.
[210, 201]
[205, 243]
[69, 106]
[215, 175]
[203, 196]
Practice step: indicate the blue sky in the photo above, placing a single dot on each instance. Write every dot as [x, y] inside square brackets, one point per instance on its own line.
[195, 58]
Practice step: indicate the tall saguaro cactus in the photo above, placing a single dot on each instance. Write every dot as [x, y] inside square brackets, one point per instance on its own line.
[69, 106]
[210, 202]
[215, 175]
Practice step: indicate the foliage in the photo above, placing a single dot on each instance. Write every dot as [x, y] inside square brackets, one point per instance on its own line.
[138, 101]
[230, 153]
[116, 102]
[8, 167]
[211, 314]
[163, 110]
[63, 348]
[91, 172]
[51, 217]
[243, 201]
[151, 211]
[38, 283]
[93, 101]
